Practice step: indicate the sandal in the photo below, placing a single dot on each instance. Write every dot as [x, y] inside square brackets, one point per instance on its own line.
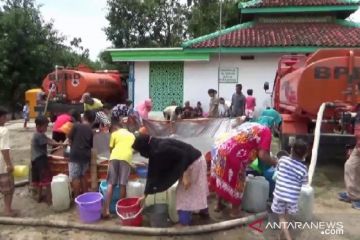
[343, 196]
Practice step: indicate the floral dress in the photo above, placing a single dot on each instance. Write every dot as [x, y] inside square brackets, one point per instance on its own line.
[231, 157]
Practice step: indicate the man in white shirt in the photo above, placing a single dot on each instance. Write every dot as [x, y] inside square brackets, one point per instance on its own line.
[172, 113]
[6, 168]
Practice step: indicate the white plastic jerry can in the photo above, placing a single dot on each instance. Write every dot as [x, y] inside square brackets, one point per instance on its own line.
[135, 189]
[60, 190]
[256, 194]
[172, 203]
[305, 204]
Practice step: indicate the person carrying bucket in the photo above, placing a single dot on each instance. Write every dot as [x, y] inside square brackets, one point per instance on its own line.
[171, 160]
[121, 142]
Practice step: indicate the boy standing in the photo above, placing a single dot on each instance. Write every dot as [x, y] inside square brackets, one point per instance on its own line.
[6, 167]
[81, 142]
[291, 175]
[26, 113]
[121, 142]
[40, 172]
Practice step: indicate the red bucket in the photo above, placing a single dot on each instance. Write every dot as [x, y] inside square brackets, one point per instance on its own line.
[129, 212]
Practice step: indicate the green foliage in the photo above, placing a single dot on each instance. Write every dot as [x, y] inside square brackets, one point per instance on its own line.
[146, 23]
[205, 16]
[165, 23]
[29, 49]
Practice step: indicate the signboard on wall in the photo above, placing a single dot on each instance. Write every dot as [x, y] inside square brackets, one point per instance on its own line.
[228, 75]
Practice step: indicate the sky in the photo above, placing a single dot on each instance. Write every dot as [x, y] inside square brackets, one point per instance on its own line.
[86, 19]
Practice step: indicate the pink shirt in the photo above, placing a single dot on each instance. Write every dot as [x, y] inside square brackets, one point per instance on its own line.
[61, 120]
[250, 103]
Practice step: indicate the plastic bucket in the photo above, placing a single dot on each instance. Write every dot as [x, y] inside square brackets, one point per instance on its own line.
[89, 206]
[159, 215]
[142, 171]
[115, 195]
[129, 212]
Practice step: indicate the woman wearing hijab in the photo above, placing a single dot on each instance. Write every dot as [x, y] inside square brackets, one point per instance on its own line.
[233, 153]
[171, 160]
[144, 108]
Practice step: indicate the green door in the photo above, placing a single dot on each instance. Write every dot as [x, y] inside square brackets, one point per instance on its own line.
[166, 84]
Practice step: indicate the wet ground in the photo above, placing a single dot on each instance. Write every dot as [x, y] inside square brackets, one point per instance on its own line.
[328, 182]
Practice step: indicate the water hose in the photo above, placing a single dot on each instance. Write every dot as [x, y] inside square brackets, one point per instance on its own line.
[143, 231]
[317, 133]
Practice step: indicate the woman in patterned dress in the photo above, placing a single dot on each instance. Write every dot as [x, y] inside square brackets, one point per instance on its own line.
[231, 157]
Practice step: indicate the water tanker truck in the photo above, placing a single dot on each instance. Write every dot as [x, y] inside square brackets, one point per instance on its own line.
[303, 83]
[64, 88]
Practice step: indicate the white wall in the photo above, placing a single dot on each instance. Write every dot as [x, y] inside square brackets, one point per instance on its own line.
[141, 76]
[200, 76]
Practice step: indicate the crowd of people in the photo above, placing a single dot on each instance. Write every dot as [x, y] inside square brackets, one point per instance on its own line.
[232, 156]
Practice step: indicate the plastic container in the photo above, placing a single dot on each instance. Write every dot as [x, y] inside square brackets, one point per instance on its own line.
[129, 212]
[31, 97]
[159, 215]
[89, 206]
[156, 198]
[21, 171]
[135, 189]
[115, 195]
[306, 204]
[256, 194]
[172, 203]
[269, 174]
[60, 190]
[142, 172]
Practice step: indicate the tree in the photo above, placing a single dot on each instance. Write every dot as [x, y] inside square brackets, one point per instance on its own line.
[146, 23]
[205, 16]
[29, 49]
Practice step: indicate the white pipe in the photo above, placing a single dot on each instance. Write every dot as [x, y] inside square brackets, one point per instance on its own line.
[315, 148]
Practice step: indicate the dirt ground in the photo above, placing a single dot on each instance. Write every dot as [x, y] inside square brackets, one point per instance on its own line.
[327, 183]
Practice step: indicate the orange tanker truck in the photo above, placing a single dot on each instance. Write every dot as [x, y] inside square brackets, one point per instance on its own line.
[65, 87]
[303, 83]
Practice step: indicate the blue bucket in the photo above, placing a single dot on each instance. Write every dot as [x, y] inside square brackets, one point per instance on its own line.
[89, 206]
[142, 172]
[115, 195]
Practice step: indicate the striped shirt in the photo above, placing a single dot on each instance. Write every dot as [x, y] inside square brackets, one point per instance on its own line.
[291, 175]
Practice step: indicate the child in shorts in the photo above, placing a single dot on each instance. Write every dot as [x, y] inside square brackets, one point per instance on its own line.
[6, 166]
[81, 142]
[291, 175]
[40, 171]
[121, 142]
